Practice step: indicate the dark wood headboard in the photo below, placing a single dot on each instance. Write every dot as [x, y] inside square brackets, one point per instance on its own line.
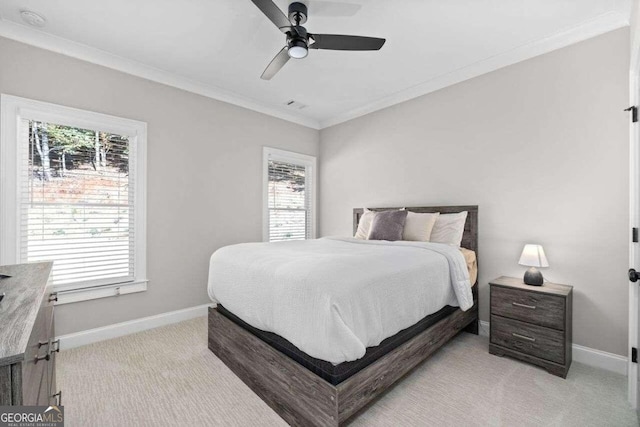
[470, 236]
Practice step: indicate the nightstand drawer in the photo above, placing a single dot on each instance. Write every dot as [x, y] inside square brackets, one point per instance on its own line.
[530, 339]
[540, 309]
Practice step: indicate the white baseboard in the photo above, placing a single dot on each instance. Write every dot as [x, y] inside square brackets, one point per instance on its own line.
[90, 336]
[484, 328]
[600, 359]
[588, 356]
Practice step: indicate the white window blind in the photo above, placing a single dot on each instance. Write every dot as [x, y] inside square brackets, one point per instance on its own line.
[289, 198]
[76, 203]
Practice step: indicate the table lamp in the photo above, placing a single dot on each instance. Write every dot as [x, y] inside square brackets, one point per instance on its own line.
[533, 256]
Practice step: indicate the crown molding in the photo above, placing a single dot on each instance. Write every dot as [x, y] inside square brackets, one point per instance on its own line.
[603, 24]
[24, 34]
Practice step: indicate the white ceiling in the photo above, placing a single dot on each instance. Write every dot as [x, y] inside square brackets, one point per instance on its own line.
[220, 47]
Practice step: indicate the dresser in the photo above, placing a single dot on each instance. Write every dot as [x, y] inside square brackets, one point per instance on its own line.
[532, 323]
[27, 346]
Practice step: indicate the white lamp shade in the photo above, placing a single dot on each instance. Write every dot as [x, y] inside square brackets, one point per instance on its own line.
[533, 256]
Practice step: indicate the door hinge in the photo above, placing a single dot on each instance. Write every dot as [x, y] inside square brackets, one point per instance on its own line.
[634, 113]
[634, 234]
[634, 355]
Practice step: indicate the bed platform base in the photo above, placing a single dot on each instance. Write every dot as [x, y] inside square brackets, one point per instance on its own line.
[301, 397]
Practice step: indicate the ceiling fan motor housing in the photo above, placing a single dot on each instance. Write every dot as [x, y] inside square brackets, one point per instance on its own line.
[298, 39]
[297, 13]
[300, 33]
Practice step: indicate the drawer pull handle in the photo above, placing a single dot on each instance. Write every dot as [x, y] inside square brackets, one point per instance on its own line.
[45, 357]
[517, 304]
[523, 337]
[57, 345]
[53, 296]
[58, 398]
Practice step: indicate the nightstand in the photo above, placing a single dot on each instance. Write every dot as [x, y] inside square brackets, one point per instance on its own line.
[532, 323]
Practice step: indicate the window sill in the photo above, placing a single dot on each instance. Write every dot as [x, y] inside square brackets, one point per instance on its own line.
[68, 296]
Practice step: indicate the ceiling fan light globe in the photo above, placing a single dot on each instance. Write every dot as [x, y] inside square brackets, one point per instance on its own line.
[298, 52]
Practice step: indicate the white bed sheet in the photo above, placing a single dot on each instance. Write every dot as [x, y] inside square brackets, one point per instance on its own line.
[334, 297]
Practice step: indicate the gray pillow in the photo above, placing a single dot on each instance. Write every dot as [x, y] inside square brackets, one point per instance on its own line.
[387, 225]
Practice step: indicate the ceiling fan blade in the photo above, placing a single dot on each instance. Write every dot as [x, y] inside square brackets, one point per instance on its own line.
[276, 64]
[340, 42]
[273, 12]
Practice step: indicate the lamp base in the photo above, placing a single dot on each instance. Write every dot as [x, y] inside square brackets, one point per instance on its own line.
[533, 277]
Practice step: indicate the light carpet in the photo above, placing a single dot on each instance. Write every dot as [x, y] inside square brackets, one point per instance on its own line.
[168, 376]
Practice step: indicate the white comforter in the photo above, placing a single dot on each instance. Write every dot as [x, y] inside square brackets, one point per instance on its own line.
[334, 297]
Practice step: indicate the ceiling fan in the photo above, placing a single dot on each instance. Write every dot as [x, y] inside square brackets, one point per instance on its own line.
[299, 41]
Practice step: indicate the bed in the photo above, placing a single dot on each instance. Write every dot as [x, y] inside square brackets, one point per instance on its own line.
[308, 390]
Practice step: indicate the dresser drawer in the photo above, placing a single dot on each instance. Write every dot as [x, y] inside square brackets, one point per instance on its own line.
[533, 340]
[540, 309]
[49, 382]
[35, 366]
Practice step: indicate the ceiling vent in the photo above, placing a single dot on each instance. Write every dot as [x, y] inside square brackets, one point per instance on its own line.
[295, 104]
[32, 18]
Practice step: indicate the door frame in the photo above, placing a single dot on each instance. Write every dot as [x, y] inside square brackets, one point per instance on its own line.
[634, 252]
[634, 203]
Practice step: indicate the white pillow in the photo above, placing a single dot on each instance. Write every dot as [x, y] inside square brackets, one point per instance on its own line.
[449, 228]
[365, 224]
[418, 226]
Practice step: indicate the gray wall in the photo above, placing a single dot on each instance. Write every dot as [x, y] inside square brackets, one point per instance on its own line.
[204, 172]
[541, 146]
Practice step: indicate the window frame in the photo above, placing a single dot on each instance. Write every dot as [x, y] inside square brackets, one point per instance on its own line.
[309, 162]
[12, 110]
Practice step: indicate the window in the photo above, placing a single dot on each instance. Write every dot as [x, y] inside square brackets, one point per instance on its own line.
[76, 182]
[289, 195]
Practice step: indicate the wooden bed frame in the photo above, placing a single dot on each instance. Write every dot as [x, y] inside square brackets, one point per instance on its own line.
[301, 397]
